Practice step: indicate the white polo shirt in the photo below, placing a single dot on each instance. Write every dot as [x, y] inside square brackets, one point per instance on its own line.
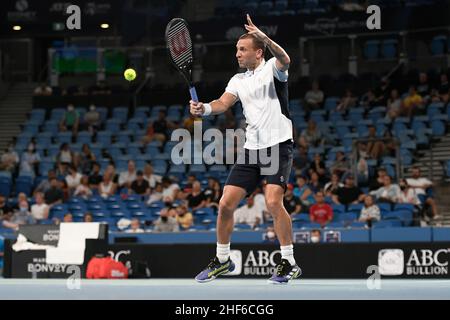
[264, 97]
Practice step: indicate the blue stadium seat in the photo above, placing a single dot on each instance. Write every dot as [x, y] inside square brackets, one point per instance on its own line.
[347, 217]
[24, 184]
[410, 234]
[387, 224]
[438, 44]
[405, 216]
[389, 48]
[371, 49]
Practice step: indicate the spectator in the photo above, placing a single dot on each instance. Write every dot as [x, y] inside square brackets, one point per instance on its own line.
[159, 130]
[374, 147]
[423, 86]
[311, 136]
[394, 105]
[83, 190]
[318, 166]
[135, 226]
[92, 119]
[140, 186]
[111, 170]
[88, 217]
[126, 178]
[301, 160]
[314, 184]
[249, 214]
[70, 120]
[382, 92]
[291, 204]
[184, 218]
[20, 217]
[332, 187]
[422, 186]
[65, 155]
[156, 194]
[107, 187]
[95, 178]
[213, 193]
[369, 100]
[408, 194]
[411, 103]
[5, 209]
[170, 190]
[9, 160]
[316, 236]
[378, 181]
[341, 165]
[44, 185]
[349, 193]
[73, 179]
[30, 161]
[321, 212]
[54, 195]
[196, 199]
[68, 217]
[304, 192]
[347, 101]
[388, 193]
[370, 212]
[20, 197]
[270, 236]
[167, 222]
[314, 97]
[40, 209]
[151, 178]
[444, 87]
[43, 90]
[86, 159]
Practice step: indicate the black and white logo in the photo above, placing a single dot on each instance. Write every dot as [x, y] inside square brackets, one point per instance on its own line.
[391, 262]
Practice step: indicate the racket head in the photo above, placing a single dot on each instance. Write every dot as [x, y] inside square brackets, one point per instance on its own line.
[179, 46]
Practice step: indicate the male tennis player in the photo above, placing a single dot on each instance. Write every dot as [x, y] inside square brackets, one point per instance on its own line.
[263, 92]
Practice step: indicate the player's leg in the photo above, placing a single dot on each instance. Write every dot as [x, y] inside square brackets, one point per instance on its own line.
[231, 197]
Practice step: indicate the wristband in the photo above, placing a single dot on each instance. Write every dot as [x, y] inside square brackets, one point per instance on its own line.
[208, 109]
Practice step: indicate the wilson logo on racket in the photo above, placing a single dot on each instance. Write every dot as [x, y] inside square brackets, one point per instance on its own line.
[178, 43]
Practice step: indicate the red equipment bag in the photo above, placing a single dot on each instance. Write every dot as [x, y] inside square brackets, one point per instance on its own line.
[106, 268]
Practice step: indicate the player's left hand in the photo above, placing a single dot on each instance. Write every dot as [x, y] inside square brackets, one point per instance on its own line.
[252, 29]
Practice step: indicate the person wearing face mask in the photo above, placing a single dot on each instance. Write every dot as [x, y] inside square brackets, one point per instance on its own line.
[408, 194]
[316, 236]
[92, 119]
[270, 237]
[70, 120]
[167, 222]
[20, 217]
[30, 161]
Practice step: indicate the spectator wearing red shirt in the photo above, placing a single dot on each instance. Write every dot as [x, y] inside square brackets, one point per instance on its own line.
[321, 212]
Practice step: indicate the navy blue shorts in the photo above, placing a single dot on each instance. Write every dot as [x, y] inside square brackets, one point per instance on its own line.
[253, 166]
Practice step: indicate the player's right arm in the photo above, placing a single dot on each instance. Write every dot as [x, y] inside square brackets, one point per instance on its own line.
[220, 105]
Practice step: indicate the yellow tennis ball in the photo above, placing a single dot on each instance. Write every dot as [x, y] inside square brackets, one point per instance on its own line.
[129, 74]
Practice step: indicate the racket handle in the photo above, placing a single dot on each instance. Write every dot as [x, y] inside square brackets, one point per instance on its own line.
[193, 93]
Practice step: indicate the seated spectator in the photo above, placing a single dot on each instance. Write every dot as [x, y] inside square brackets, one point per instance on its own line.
[331, 187]
[151, 178]
[369, 100]
[9, 159]
[347, 101]
[170, 190]
[374, 147]
[111, 170]
[378, 180]
[184, 218]
[388, 192]
[291, 204]
[423, 86]
[70, 120]
[412, 103]
[167, 222]
[370, 212]
[73, 179]
[314, 97]
[444, 87]
[140, 186]
[249, 214]
[421, 186]
[213, 193]
[301, 160]
[30, 162]
[40, 209]
[86, 159]
[135, 226]
[311, 136]
[83, 190]
[5, 209]
[95, 178]
[20, 217]
[316, 236]
[44, 185]
[159, 129]
[68, 217]
[341, 165]
[314, 183]
[126, 178]
[54, 195]
[321, 212]
[318, 166]
[349, 193]
[88, 217]
[394, 105]
[408, 194]
[196, 198]
[270, 236]
[107, 187]
[65, 156]
[383, 91]
[43, 90]
[304, 192]
[92, 119]
[156, 194]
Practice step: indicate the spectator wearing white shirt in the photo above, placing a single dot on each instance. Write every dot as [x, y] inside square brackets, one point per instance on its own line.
[9, 160]
[370, 212]
[83, 190]
[30, 161]
[151, 178]
[73, 179]
[314, 97]
[408, 194]
[135, 226]
[389, 192]
[420, 185]
[126, 178]
[107, 187]
[40, 209]
[170, 190]
[156, 194]
[249, 214]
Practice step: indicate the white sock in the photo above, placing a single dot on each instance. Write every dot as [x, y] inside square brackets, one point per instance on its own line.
[223, 252]
[287, 252]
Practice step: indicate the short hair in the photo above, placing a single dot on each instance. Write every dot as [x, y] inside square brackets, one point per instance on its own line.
[257, 43]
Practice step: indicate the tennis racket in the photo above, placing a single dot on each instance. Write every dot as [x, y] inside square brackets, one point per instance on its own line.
[179, 45]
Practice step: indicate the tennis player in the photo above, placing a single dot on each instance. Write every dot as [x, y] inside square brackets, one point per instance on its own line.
[263, 92]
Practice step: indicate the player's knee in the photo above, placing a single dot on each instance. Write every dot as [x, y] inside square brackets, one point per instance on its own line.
[226, 207]
[274, 206]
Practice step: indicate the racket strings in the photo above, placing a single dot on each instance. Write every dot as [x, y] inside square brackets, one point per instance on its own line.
[180, 45]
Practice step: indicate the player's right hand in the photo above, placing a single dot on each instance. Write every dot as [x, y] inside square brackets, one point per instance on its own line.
[197, 108]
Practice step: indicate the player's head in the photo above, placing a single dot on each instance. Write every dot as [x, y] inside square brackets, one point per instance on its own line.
[249, 51]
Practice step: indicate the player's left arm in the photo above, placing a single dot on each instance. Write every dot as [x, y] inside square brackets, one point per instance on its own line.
[282, 58]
